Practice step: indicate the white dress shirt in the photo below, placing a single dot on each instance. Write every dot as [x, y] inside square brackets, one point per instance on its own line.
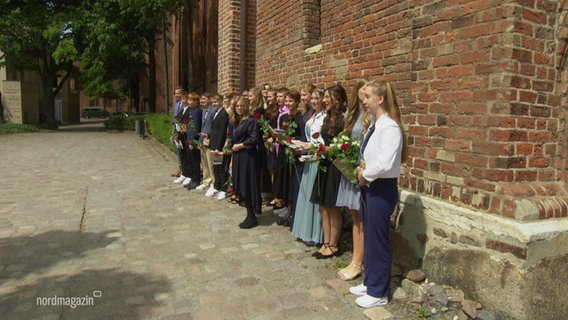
[383, 152]
[314, 125]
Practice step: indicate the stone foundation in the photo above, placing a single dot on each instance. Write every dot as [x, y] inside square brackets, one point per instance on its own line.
[519, 270]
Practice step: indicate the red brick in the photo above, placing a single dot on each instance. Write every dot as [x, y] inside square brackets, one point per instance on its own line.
[472, 159]
[457, 145]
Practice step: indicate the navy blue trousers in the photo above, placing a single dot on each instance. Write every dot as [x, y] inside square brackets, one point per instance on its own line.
[380, 199]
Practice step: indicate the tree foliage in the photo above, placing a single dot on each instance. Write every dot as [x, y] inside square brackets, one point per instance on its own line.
[38, 36]
[114, 41]
[121, 43]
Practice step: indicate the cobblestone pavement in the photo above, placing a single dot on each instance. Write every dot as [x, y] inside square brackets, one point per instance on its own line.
[94, 214]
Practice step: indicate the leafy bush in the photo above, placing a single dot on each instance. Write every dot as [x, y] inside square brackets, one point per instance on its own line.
[9, 128]
[158, 125]
[122, 123]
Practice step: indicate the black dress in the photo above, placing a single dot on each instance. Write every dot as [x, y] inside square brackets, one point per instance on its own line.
[328, 178]
[281, 187]
[246, 164]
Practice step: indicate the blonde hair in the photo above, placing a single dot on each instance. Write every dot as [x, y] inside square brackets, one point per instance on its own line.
[384, 89]
[353, 109]
[235, 118]
[258, 100]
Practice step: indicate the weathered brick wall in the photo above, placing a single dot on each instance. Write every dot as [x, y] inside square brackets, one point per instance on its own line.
[479, 81]
[230, 45]
[229, 29]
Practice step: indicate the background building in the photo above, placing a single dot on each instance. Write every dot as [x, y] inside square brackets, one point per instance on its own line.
[21, 101]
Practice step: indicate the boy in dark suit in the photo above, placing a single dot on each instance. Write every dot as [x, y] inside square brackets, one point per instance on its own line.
[217, 138]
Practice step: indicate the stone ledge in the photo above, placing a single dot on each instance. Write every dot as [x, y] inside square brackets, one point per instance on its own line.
[440, 222]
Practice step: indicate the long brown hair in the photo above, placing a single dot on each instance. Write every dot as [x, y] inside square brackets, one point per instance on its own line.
[235, 118]
[354, 108]
[334, 118]
[384, 89]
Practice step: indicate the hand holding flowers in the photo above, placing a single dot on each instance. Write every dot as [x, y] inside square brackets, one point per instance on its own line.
[344, 152]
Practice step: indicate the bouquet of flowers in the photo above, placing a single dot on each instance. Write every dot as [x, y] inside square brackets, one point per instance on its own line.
[316, 150]
[178, 132]
[344, 152]
[289, 128]
[228, 144]
[263, 124]
[265, 128]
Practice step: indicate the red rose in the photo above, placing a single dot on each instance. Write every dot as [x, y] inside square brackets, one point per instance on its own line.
[229, 189]
[257, 115]
[316, 135]
[321, 148]
[285, 127]
[185, 121]
[288, 139]
[228, 134]
[345, 147]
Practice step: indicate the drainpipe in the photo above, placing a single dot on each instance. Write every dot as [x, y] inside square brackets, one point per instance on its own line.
[243, 43]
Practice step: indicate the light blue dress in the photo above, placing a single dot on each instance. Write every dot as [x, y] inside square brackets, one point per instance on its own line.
[307, 217]
[349, 194]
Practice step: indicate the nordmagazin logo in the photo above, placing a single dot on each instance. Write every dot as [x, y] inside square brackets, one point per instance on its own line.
[73, 302]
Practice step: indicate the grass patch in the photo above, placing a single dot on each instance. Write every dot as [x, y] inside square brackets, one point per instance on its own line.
[11, 128]
[158, 125]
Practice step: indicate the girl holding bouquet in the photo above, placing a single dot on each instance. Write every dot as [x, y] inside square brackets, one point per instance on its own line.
[357, 121]
[327, 184]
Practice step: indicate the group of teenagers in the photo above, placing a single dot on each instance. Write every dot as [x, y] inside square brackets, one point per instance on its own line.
[275, 141]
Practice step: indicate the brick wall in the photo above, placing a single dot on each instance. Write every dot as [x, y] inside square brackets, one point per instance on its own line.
[479, 81]
[230, 45]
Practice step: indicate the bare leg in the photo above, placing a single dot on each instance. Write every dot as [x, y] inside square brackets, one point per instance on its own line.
[332, 229]
[353, 270]
[326, 227]
[336, 223]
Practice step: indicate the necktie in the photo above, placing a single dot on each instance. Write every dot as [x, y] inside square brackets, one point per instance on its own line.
[369, 134]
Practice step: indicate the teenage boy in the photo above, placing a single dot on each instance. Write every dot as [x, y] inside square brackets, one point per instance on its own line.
[191, 153]
[218, 137]
[208, 111]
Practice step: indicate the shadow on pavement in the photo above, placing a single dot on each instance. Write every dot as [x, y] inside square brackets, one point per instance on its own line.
[97, 294]
[23, 255]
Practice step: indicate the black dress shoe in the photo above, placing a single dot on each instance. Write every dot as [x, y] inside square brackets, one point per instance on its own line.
[248, 224]
[192, 185]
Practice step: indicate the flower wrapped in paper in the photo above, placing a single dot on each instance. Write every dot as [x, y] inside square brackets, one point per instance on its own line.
[344, 153]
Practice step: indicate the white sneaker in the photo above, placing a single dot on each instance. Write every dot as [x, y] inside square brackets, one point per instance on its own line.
[221, 195]
[180, 179]
[186, 182]
[201, 187]
[359, 290]
[368, 301]
[210, 192]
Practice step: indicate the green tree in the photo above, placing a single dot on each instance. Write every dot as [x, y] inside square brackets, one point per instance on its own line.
[150, 18]
[112, 62]
[38, 36]
[121, 43]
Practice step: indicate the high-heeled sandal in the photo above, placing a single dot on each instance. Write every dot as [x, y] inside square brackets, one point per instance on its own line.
[350, 272]
[234, 199]
[317, 253]
[334, 252]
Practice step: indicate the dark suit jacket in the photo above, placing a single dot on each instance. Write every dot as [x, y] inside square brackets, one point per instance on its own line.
[218, 132]
[194, 115]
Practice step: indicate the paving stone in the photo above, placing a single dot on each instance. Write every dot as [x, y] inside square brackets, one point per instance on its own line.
[153, 249]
